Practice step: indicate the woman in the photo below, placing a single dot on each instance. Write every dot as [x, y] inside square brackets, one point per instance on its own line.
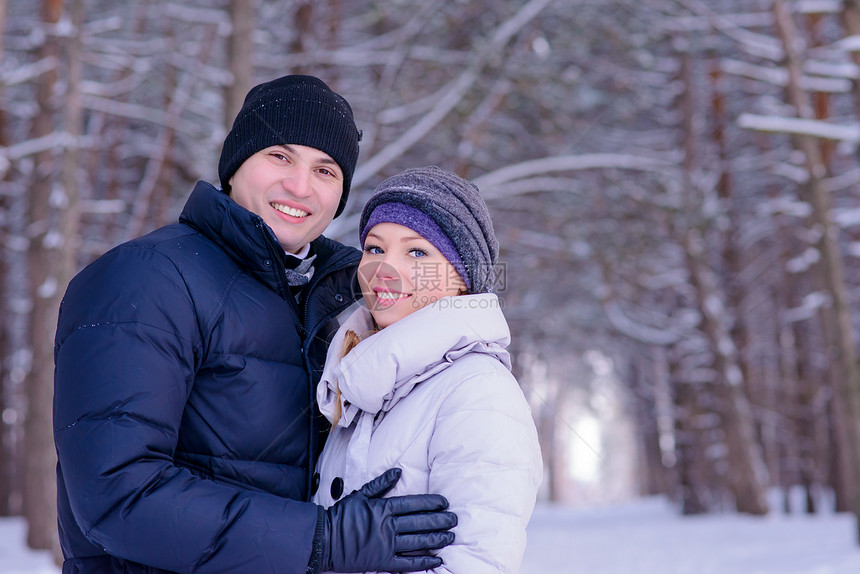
[419, 377]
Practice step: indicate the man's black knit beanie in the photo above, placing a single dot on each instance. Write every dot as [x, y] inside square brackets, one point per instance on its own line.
[294, 109]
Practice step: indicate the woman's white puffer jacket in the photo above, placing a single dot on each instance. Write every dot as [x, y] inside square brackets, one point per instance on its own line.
[433, 394]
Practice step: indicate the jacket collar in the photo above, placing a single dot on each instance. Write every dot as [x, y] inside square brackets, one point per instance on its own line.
[387, 365]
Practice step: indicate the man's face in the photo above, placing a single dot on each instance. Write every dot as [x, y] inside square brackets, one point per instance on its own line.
[295, 189]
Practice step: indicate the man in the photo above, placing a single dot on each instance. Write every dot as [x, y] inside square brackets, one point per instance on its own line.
[186, 362]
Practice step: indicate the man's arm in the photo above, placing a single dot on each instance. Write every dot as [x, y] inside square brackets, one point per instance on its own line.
[127, 344]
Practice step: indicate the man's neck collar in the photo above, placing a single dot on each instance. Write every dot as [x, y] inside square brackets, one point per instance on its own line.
[303, 252]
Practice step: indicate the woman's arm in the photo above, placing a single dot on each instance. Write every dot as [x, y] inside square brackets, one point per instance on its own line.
[485, 459]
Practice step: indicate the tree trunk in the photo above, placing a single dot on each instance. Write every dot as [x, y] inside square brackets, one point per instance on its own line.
[693, 469]
[747, 474]
[647, 388]
[6, 451]
[816, 194]
[39, 487]
[735, 294]
[240, 52]
[302, 27]
[545, 395]
[73, 120]
[840, 470]
[6, 461]
[52, 260]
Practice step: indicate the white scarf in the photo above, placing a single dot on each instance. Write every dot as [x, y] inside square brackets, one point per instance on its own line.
[386, 366]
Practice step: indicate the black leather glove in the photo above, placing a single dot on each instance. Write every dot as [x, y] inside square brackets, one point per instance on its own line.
[365, 532]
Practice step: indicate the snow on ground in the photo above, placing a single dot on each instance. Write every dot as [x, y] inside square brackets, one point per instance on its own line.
[640, 537]
[648, 537]
[15, 557]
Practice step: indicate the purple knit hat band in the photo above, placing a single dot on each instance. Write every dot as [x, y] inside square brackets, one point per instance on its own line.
[423, 225]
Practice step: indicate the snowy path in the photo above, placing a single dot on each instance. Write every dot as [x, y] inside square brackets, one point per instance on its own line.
[642, 537]
[646, 537]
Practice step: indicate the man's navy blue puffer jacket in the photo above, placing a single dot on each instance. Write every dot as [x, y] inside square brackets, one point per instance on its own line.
[184, 414]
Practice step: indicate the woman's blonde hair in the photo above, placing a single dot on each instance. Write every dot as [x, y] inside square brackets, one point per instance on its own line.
[350, 340]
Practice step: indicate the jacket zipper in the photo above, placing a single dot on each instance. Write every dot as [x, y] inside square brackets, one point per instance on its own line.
[312, 439]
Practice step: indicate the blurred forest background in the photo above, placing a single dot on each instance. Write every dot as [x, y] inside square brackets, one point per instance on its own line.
[675, 185]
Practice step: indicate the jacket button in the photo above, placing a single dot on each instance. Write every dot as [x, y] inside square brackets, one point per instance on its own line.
[336, 487]
[315, 484]
[338, 298]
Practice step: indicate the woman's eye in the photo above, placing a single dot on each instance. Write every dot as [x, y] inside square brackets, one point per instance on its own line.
[416, 252]
[372, 249]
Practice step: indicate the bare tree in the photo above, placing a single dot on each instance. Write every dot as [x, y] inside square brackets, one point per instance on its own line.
[240, 52]
[817, 195]
[44, 265]
[5, 346]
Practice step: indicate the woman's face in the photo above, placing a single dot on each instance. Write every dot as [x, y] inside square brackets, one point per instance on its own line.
[401, 272]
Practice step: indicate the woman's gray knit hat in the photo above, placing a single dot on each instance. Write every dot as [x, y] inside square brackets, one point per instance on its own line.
[455, 204]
